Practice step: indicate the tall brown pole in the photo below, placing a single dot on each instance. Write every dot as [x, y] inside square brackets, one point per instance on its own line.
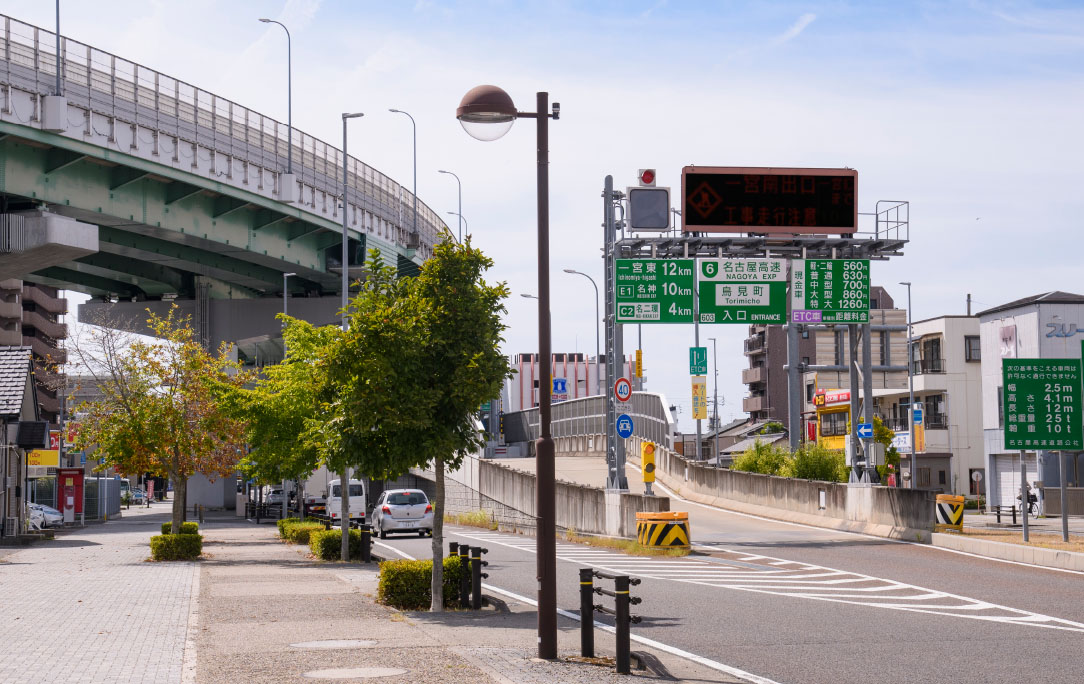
[546, 542]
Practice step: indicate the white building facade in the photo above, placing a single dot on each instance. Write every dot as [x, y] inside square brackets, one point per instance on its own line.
[1046, 326]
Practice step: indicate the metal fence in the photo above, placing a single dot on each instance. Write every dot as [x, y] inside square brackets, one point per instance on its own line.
[587, 416]
[108, 501]
[130, 93]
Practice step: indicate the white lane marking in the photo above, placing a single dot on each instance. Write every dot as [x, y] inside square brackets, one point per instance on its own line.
[717, 509]
[666, 648]
[816, 583]
[392, 548]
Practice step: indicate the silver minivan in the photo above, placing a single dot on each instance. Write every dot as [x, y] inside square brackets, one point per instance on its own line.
[403, 510]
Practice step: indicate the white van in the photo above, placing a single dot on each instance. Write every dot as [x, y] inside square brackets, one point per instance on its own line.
[335, 503]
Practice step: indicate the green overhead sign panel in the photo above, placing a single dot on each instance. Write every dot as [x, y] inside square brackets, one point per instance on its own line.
[829, 291]
[743, 291]
[1041, 402]
[654, 290]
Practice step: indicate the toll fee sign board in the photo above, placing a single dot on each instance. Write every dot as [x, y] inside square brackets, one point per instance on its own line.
[721, 199]
[743, 291]
[1041, 400]
[829, 291]
[654, 290]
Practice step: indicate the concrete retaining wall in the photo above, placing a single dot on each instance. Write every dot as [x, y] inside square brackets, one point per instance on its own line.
[878, 510]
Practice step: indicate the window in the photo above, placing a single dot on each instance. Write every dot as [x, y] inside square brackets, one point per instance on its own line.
[886, 353]
[971, 348]
[809, 390]
[834, 424]
[941, 479]
[840, 347]
[355, 490]
[805, 334]
[1000, 407]
[805, 360]
[407, 499]
[923, 477]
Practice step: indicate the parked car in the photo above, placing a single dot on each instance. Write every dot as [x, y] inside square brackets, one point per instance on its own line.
[274, 497]
[403, 510]
[42, 516]
[357, 501]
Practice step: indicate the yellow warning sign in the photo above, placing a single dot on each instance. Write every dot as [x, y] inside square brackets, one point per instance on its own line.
[639, 363]
[700, 397]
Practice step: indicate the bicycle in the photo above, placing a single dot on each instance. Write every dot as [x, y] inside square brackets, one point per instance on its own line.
[1033, 504]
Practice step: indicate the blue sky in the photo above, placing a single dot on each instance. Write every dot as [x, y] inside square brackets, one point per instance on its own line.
[969, 110]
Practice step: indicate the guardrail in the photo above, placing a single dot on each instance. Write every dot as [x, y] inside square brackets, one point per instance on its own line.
[126, 92]
[586, 416]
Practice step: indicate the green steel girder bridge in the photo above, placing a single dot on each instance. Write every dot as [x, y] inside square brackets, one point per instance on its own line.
[142, 191]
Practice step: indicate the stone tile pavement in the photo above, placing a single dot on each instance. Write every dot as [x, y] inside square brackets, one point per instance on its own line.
[86, 607]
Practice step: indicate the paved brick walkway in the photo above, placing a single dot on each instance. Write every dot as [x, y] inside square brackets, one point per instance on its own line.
[86, 607]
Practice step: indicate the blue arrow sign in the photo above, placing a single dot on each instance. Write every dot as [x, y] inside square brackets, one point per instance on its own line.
[865, 430]
[624, 426]
[918, 416]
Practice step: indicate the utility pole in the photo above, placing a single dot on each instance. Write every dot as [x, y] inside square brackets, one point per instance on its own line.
[715, 401]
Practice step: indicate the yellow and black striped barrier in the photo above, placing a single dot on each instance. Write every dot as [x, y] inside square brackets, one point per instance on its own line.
[950, 513]
[669, 529]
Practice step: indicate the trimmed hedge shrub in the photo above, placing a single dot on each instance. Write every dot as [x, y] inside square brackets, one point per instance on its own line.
[169, 547]
[299, 532]
[285, 523]
[405, 584]
[327, 544]
[186, 527]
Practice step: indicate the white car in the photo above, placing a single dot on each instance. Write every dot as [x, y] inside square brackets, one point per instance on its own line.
[403, 510]
[335, 502]
[42, 516]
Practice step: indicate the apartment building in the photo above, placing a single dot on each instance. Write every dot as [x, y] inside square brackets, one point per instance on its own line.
[945, 361]
[31, 316]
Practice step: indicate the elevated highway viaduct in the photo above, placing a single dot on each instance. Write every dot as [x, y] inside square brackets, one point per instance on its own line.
[142, 190]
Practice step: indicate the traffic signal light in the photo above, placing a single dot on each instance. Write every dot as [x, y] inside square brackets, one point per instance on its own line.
[649, 208]
[647, 461]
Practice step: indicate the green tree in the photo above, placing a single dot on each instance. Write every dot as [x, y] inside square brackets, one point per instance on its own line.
[884, 435]
[284, 412]
[766, 459]
[164, 406]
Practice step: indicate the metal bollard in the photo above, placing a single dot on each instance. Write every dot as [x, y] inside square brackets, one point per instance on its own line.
[477, 575]
[1014, 515]
[366, 543]
[453, 548]
[464, 576]
[621, 622]
[587, 613]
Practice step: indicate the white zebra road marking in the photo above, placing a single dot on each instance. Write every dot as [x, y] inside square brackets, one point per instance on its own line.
[777, 576]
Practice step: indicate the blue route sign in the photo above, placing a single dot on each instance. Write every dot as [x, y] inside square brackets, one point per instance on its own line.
[624, 426]
[865, 430]
[918, 415]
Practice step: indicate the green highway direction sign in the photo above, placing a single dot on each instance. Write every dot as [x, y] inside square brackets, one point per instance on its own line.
[1041, 401]
[655, 290]
[829, 291]
[698, 360]
[743, 291]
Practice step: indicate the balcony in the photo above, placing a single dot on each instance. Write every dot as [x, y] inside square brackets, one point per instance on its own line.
[754, 345]
[936, 421]
[896, 424]
[753, 375]
[11, 310]
[44, 350]
[53, 305]
[931, 365]
[753, 404]
[57, 331]
[11, 338]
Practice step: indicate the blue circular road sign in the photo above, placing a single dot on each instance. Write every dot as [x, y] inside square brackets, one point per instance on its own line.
[624, 426]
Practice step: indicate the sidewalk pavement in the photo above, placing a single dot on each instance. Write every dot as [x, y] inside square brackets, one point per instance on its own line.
[1050, 525]
[86, 607]
[263, 603]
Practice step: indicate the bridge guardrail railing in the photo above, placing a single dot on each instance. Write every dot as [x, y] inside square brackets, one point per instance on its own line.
[652, 420]
[125, 91]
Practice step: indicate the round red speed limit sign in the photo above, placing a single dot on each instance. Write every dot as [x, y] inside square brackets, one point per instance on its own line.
[622, 389]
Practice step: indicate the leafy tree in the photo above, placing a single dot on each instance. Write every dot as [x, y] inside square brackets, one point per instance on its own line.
[815, 462]
[283, 410]
[772, 428]
[164, 406]
[766, 459]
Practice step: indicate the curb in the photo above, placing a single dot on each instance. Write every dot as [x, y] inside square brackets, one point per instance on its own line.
[1034, 555]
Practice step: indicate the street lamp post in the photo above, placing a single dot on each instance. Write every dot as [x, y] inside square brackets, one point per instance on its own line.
[527, 296]
[415, 127]
[289, 96]
[715, 410]
[911, 386]
[346, 237]
[459, 184]
[462, 221]
[486, 113]
[285, 312]
[597, 357]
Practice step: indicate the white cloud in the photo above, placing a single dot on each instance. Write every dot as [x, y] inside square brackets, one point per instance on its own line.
[795, 29]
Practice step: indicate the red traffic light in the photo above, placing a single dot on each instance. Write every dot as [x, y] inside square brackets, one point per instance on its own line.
[647, 176]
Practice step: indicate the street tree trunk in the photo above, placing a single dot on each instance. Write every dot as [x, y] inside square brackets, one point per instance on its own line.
[180, 489]
[344, 489]
[437, 606]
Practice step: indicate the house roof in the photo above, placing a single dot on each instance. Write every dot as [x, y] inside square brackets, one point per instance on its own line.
[1056, 297]
[14, 374]
[745, 444]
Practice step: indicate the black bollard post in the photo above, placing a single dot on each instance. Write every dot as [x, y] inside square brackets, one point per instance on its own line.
[366, 543]
[587, 613]
[621, 622]
[453, 548]
[476, 573]
[464, 576]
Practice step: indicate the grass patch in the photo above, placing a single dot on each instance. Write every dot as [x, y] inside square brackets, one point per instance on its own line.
[1041, 540]
[483, 519]
[627, 546]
